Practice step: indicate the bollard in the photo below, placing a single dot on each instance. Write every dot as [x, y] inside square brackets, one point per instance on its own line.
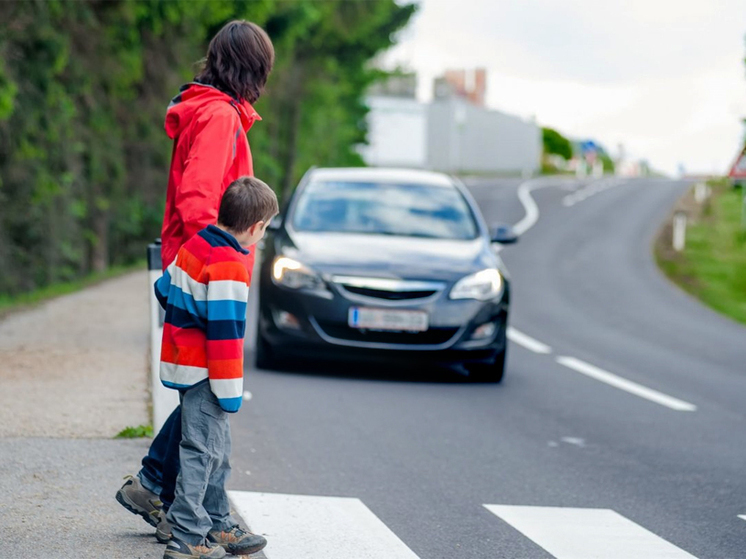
[164, 399]
[700, 192]
[679, 231]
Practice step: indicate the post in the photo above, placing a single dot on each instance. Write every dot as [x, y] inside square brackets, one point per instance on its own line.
[679, 231]
[700, 192]
[164, 399]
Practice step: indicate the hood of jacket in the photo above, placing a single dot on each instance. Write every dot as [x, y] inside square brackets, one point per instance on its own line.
[193, 97]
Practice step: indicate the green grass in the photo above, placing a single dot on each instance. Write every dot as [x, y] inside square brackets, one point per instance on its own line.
[712, 266]
[135, 432]
[13, 303]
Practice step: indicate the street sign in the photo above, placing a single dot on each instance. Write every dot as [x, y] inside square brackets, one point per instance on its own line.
[738, 170]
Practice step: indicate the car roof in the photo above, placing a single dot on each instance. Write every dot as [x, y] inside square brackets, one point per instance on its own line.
[382, 175]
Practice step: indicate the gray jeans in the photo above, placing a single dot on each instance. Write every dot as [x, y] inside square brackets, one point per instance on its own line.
[200, 502]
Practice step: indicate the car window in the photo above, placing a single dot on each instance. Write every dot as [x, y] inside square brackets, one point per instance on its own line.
[409, 210]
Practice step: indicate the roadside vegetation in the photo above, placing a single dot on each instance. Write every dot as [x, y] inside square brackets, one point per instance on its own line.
[84, 85]
[712, 266]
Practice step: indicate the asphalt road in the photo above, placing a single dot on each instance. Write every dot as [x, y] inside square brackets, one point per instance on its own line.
[623, 395]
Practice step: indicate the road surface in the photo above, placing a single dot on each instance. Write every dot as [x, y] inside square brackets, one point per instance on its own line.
[619, 431]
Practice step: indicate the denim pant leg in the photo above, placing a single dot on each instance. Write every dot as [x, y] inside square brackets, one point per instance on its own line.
[203, 429]
[216, 499]
[158, 464]
[171, 463]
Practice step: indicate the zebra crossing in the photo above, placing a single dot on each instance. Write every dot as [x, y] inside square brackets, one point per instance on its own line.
[314, 527]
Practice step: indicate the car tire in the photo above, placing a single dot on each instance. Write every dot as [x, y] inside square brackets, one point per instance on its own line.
[488, 372]
[264, 354]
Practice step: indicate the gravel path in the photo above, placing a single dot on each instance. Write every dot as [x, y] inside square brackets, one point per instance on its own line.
[76, 366]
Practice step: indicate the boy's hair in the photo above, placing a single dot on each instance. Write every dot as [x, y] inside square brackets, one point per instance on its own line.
[245, 202]
[239, 60]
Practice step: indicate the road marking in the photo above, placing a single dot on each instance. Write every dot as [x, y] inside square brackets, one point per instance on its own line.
[532, 210]
[573, 533]
[577, 441]
[306, 527]
[589, 190]
[624, 384]
[742, 516]
[527, 341]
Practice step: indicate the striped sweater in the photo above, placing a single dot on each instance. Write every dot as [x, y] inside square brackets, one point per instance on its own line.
[204, 292]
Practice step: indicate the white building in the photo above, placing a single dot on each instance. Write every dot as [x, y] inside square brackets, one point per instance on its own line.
[450, 135]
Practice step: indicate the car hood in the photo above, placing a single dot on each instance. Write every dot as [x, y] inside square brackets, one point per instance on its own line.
[389, 256]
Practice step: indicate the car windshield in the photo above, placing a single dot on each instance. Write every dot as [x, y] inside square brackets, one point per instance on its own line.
[408, 210]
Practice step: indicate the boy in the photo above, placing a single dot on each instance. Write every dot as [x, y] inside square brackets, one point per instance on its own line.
[205, 292]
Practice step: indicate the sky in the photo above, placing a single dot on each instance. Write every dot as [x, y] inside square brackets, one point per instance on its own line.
[665, 79]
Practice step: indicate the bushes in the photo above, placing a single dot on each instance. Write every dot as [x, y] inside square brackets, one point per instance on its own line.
[83, 90]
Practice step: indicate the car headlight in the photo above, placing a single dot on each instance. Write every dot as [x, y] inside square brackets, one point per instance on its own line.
[482, 286]
[291, 273]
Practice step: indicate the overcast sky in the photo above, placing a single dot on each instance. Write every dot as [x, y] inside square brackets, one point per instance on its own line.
[664, 78]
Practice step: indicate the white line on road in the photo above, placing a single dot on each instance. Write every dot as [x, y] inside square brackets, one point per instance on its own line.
[532, 210]
[624, 384]
[742, 516]
[573, 533]
[306, 527]
[527, 341]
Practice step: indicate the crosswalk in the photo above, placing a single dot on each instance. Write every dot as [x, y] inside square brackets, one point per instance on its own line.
[314, 527]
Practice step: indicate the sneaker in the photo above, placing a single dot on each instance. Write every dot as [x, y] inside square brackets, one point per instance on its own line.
[237, 541]
[177, 549]
[138, 500]
[163, 530]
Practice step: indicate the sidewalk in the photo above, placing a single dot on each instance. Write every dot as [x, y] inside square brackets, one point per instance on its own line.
[74, 373]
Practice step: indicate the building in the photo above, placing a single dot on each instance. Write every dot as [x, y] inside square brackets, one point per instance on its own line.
[455, 133]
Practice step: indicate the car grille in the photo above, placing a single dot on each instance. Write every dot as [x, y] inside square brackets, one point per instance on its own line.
[389, 295]
[432, 336]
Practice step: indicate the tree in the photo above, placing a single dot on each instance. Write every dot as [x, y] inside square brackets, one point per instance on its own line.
[556, 144]
[83, 90]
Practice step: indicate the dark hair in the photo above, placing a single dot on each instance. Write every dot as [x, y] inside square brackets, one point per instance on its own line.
[239, 60]
[245, 202]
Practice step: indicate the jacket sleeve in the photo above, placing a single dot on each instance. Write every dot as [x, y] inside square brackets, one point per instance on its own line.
[227, 295]
[210, 156]
[163, 286]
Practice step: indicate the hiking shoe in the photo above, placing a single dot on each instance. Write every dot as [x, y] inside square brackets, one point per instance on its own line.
[177, 549]
[138, 500]
[237, 541]
[163, 530]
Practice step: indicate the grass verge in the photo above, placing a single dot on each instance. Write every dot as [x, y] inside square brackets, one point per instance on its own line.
[9, 304]
[135, 432]
[712, 266]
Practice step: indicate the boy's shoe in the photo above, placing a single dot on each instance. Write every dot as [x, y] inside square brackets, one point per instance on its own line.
[177, 549]
[163, 530]
[237, 541]
[138, 500]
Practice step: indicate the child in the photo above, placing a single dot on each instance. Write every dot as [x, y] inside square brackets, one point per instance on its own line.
[204, 292]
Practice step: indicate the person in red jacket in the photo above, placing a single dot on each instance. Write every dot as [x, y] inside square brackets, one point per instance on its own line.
[208, 121]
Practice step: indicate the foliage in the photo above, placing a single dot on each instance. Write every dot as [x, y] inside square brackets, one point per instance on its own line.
[83, 89]
[556, 144]
[712, 266]
[135, 432]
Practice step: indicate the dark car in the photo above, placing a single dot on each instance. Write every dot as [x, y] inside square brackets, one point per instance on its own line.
[382, 264]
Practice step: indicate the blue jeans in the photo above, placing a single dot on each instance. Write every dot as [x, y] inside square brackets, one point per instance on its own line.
[160, 467]
[201, 503]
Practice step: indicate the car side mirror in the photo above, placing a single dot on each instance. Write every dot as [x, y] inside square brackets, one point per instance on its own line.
[275, 224]
[503, 234]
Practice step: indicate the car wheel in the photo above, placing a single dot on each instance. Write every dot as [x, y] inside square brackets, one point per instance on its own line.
[489, 372]
[264, 354]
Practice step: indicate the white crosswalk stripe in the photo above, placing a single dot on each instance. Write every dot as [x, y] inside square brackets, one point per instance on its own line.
[573, 533]
[309, 527]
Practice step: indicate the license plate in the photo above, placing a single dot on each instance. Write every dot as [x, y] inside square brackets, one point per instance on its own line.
[387, 319]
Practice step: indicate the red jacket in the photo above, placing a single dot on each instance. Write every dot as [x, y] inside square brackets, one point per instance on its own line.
[210, 151]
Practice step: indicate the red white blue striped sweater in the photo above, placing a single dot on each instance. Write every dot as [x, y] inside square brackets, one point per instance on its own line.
[204, 292]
